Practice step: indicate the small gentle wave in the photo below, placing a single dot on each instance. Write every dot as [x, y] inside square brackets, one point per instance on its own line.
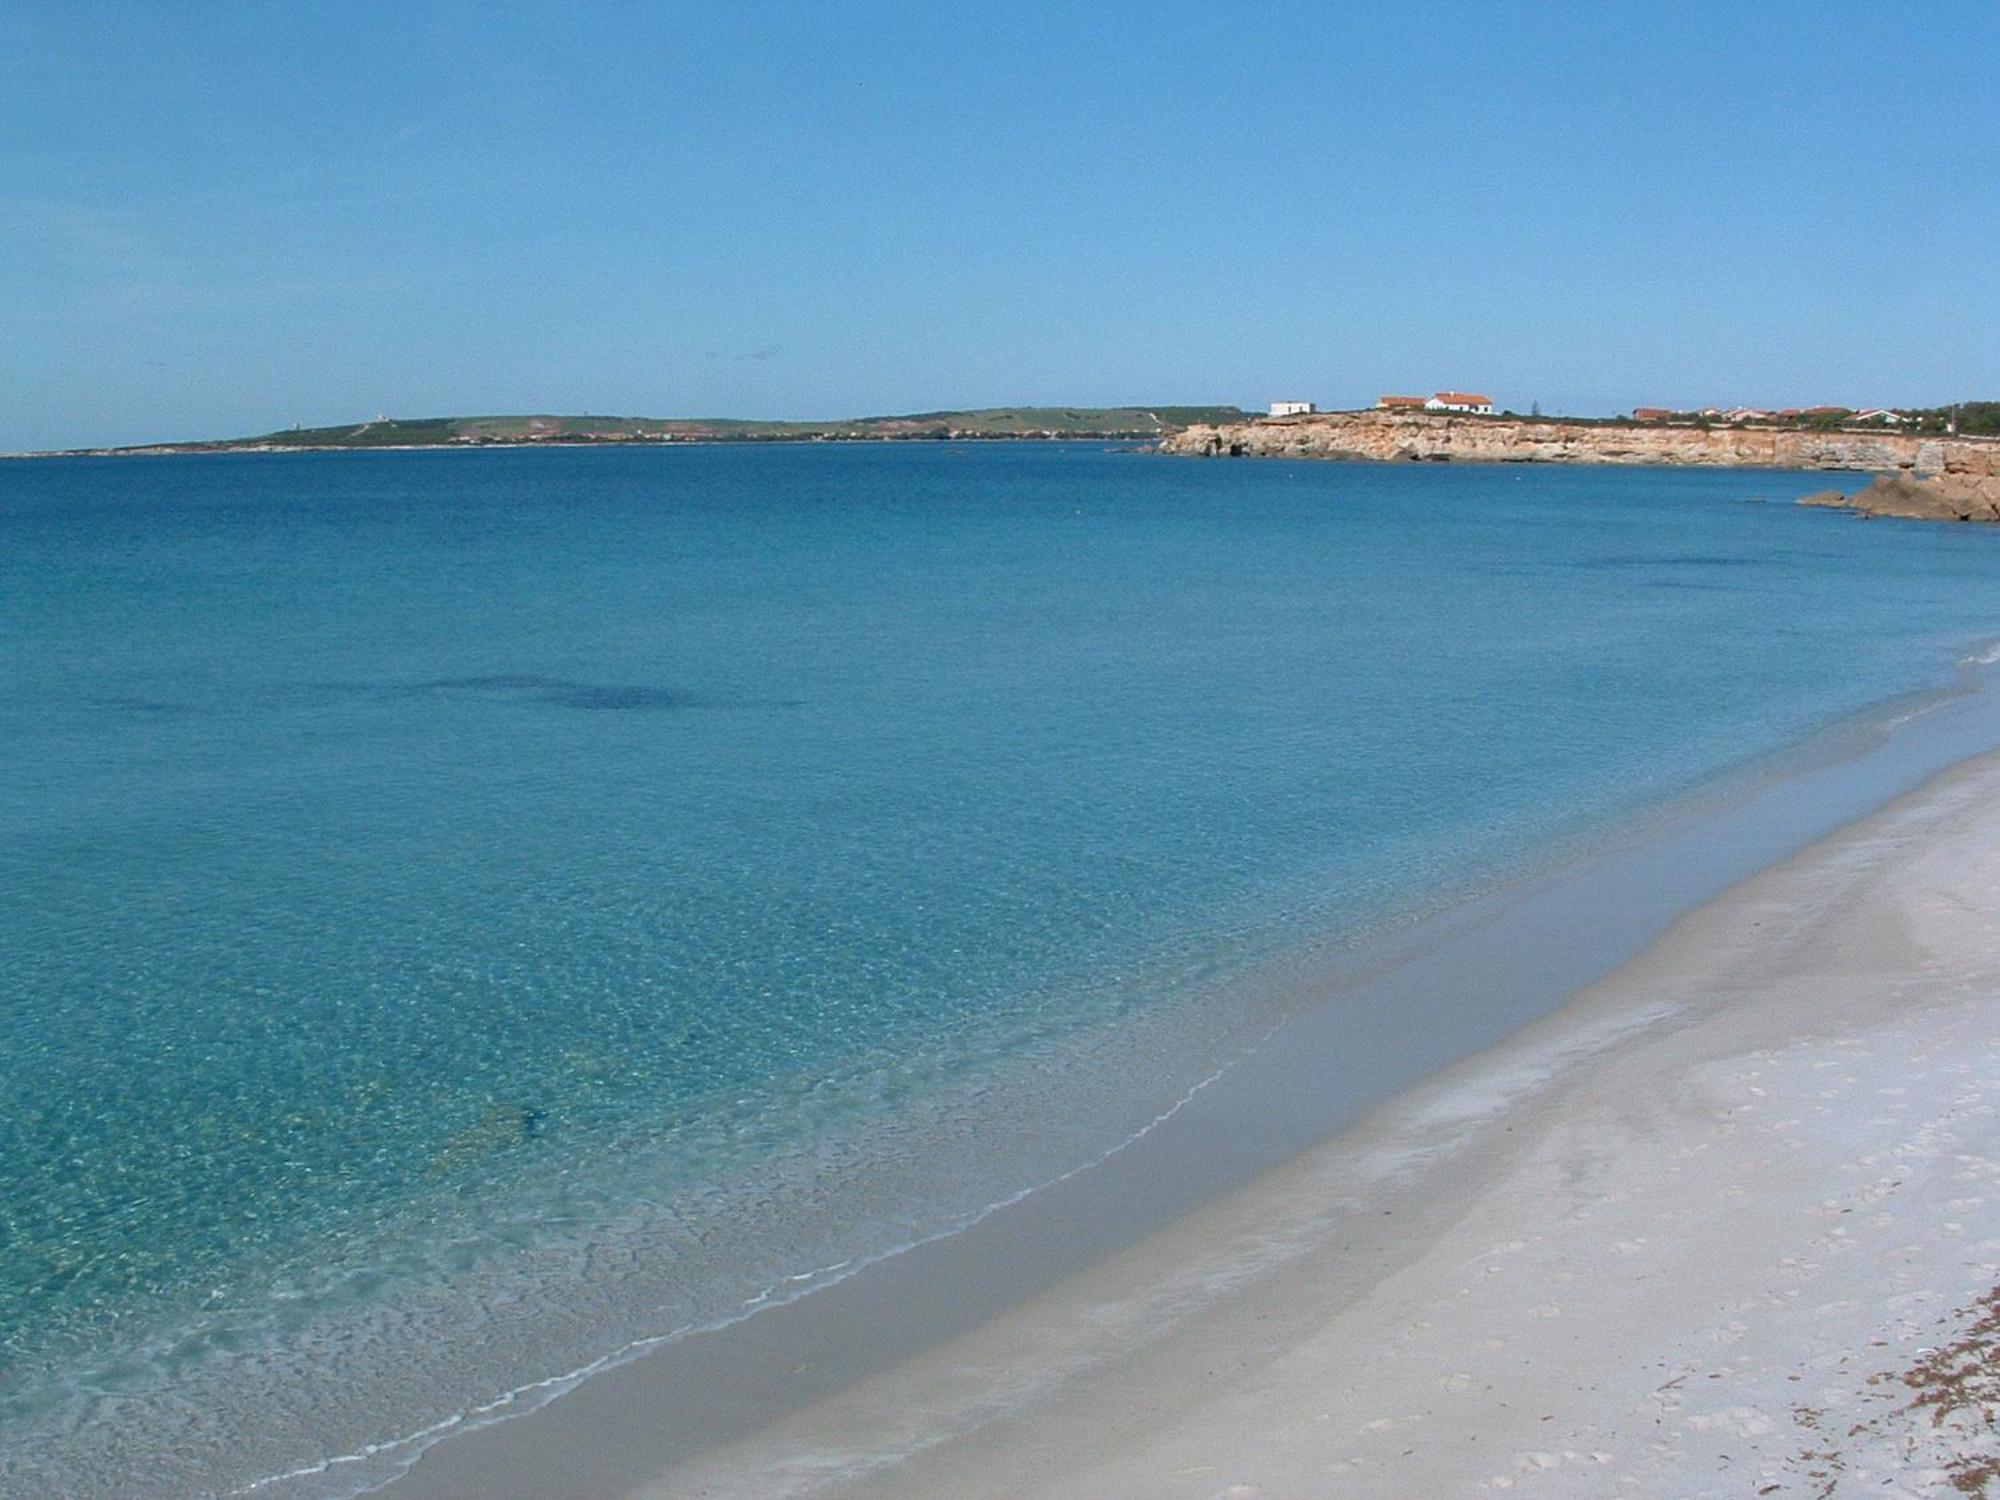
[532, 1396]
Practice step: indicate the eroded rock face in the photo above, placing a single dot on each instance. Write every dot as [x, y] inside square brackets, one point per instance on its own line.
[1958, 478]
[1936, 499]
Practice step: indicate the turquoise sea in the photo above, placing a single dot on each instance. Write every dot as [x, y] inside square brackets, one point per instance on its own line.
[466, 915]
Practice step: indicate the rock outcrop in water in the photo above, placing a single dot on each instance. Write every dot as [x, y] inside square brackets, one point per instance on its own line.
[1943, 498]
[1927, 477]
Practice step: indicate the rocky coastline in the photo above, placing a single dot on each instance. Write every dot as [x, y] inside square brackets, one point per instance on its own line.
[1923, 477]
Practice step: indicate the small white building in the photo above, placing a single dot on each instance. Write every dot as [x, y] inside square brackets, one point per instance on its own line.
[1880, 414]
[1292, 408]
[1481, 406]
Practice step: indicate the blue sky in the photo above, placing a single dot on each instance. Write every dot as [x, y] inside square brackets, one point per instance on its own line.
[224, 219]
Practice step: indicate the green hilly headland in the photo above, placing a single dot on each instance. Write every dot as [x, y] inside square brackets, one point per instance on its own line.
[987, 422]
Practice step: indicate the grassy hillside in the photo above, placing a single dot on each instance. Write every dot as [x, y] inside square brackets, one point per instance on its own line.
[993, 422]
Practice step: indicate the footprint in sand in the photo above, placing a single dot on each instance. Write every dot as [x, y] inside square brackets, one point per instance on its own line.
[1383, 1424]
[1742, 1421]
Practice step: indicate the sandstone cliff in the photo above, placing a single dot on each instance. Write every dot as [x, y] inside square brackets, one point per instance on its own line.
[1958, 477]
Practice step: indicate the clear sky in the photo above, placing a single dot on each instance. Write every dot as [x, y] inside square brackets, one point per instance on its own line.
[221, 219]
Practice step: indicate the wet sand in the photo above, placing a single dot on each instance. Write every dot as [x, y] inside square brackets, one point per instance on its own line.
[1693, 1228]
[1722, 1226]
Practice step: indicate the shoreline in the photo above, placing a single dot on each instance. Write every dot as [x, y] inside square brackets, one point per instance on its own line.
[1914, 478]
[618, 1431]
[1723, 1225]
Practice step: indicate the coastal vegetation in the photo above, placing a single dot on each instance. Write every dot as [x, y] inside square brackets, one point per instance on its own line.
[1972, 418]
[1962, 418]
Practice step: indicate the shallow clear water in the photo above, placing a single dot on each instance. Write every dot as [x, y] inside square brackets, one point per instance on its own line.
[463, 913]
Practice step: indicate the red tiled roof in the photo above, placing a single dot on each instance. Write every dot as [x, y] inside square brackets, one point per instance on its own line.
[1464, 398]
[1400, 401]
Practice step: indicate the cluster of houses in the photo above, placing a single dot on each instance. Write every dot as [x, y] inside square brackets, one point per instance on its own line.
[1463, 401]
[1880, 414]
[1474, 404]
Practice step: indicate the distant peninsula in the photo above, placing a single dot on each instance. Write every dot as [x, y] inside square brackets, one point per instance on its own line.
[1131, 423]
[1922, 472]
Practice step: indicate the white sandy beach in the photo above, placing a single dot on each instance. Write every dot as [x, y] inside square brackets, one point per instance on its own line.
[1717, 1228]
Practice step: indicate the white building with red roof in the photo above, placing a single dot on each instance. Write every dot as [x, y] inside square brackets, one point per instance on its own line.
[1481, 406]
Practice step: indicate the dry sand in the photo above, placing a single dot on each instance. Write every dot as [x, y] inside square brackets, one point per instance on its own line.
[1725, 1225]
